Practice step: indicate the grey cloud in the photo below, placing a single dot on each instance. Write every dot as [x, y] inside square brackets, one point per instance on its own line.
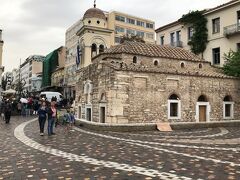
[39, 26]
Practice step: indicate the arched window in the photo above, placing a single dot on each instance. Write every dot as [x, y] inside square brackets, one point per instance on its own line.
[228, 107]
[98, 22]
[173, 97]
[227, 98]
[89, 22]
[200, 66]
[202, 98]
[94, 50]
[174, 107]
[182, 65]
[134, 59]
[155, 63]
[101, 48]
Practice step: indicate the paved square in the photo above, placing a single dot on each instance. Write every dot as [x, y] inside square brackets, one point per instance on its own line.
[84, 154]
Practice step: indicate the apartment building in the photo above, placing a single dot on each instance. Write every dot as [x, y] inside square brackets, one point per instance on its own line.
[71, 42]
[96, 31]
[1, 50]
[127, 24]
[30, 72]
[15, 73]
[8, 76]
[223, 32]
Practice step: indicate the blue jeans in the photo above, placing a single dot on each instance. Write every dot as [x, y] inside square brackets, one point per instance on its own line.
[51, 122]
[41, 124]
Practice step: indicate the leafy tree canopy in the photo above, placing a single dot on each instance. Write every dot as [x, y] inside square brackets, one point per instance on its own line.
[198, 22]
[232, 65]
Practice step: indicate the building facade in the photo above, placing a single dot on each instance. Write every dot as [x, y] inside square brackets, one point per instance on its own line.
[52, 62]
[123, 24]
[94, 33]
[30, 73]
[8, 76]
[142, 83]
[223, 32]
[15, 73]
[1, 51]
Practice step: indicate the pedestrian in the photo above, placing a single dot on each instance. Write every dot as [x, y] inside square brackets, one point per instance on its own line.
[67, 120]
[7, 111]
[72, 114]
[2, 110]
[52, 116]
[42, 116]
[19, 108]
[36, 106]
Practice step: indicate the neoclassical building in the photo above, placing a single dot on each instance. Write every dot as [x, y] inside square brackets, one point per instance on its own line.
[141, 83]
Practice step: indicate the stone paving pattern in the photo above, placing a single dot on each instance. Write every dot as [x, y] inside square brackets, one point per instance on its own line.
[159, 151]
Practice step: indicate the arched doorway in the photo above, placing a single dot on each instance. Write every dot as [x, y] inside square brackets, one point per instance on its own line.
[102, 108]
[202, 109]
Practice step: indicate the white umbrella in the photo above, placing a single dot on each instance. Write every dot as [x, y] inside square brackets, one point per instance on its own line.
[9, 91]
[23, 100]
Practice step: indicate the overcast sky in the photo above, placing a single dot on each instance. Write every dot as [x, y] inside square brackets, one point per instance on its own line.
[38, 26]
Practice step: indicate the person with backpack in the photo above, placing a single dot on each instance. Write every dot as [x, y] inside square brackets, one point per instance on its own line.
[42, 116]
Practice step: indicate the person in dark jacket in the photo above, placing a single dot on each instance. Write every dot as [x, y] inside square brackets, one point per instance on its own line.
[42, 116]
[52, 116]
[7, 111]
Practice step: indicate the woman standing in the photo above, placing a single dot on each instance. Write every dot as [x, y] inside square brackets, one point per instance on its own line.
[52, 116]
[42, 116]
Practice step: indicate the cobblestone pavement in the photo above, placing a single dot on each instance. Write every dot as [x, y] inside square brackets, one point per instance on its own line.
[83, 154]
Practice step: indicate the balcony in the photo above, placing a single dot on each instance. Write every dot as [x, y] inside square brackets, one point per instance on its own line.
[177, 44]
[231, 30]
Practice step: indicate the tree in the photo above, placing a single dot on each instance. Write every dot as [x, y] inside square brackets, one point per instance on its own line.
[198, 22]
[133, 38]
[4, 83]
[19, 86]
[232, 65]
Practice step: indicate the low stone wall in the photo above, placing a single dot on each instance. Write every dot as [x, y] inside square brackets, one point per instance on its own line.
[191, 125]
[116, 127]
[152, 126]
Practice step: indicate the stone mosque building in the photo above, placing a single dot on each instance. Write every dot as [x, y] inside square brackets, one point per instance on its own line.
[137, 82]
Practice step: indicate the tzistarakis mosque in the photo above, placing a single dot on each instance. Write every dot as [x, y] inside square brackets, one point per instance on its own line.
[136, 82]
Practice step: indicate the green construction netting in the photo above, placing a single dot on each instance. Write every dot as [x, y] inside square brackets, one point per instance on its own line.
[49, 65]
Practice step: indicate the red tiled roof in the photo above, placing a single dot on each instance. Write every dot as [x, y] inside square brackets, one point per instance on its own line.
[152, 50]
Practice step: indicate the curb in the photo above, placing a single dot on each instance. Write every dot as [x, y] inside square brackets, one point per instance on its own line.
[153, 126]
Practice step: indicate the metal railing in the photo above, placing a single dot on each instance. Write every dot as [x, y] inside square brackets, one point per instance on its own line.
[232, 29]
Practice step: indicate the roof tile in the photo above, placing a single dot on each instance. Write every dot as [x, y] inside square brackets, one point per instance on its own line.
[152, 50]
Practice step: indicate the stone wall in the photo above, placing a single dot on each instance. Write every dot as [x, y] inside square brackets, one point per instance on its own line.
[137, 96]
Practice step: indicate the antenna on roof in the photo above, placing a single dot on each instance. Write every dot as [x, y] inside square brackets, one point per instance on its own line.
[94, 4]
